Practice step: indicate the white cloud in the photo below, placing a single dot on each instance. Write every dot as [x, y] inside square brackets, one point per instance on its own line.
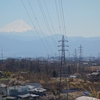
[16, 26]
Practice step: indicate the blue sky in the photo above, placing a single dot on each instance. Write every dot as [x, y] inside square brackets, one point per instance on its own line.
[82, 17]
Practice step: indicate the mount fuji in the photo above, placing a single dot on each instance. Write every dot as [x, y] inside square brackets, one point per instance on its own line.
[16, 26]
[20, 30]
[19, 39]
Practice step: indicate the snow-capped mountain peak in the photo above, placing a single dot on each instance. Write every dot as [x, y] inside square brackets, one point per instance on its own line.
[16, 26]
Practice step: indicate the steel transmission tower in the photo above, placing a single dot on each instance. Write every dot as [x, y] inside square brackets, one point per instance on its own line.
[63, 69]
[80, 51]
[75, 60]
[80, 60]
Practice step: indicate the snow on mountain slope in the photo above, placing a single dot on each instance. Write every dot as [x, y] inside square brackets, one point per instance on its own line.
[16, 26]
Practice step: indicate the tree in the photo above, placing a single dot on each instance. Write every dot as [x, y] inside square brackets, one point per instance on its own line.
[54, 74]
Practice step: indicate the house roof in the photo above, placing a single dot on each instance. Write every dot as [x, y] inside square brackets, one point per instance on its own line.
[35, 85]
[24, 96]
[34, 95]
[94, 73]
[27, 95]
[37, 90]
[15, 87]
[40, 90]
[11, 98]
[86, 98]
[18, 88]
[2, 85]
[73, 76]
[30, 87]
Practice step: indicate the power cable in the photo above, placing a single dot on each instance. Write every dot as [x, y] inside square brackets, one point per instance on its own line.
[50, 19]
[45, 19]
[39, 25]
[58, 16]
[63, 17]
[33, 25]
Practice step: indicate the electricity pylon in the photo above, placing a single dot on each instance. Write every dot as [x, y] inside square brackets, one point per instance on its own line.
[80, 60]
[63, 71]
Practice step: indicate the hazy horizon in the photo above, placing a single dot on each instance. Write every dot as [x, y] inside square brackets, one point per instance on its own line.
[29, 26]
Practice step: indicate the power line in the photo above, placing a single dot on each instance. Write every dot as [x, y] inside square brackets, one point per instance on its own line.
[50, 18]
[33, 25]
[63, 17]
[39, 25]
[45, 19]
[58, 16]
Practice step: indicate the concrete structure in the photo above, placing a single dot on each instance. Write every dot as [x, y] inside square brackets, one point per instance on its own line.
[31, 90]
[3, 89]
[17, 90]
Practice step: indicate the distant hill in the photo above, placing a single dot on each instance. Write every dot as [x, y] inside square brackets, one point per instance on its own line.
[30, 46]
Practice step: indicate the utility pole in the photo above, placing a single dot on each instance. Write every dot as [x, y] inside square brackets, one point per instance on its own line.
[80, 59]
[63, 71]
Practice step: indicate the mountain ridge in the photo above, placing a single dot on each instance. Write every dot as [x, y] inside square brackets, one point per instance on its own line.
[35, 46]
